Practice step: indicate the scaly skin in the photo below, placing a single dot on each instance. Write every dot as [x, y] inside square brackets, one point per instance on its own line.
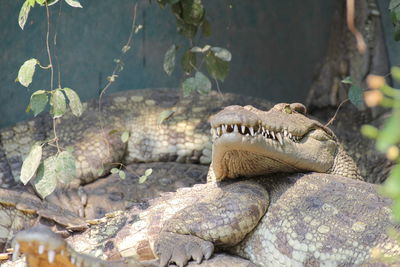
[225, 214]
[21, 210]
[183, 137]
[313, 219]
[250, 142]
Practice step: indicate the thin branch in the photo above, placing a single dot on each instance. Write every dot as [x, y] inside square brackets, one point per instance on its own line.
[113, 75]
[55, 45]
[336, 112]
[48, 46]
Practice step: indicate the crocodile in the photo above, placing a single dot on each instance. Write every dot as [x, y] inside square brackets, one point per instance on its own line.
[312, 224]
[162, 126]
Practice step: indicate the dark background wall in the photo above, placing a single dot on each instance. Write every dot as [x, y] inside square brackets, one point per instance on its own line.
[277, 47]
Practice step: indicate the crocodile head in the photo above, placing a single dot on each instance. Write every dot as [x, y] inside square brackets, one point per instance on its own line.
[248, 142]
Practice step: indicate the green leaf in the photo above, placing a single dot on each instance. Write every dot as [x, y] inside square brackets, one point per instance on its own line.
[23, 14]
[393, 4]
[65, 167]
[164, 115]
[206, 28]
[125, 136]
[188, 86]
[142, 179]
[202, 82]
[188, 61]
[369, 131]
[390, 134]
[31, 163]
[122, 175]
[222, 53]
[347, 80]
[73, 3]
[125, 49]
[74, 102]
[41, 2]
[397, 32]
[395, 71]
[26, 72]
[199, 83]
[187, 30]
[100, 171]
[396, 209]
[45, 182]
[356, 96]
[217, 67]
[31, 2]
[114, 170]
[38, 101]
[58, 105]
[391, 187]
[148, 172]
[169, 60]
[192, 12]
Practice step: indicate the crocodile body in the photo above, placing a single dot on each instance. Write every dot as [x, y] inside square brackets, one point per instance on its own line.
[317, 219]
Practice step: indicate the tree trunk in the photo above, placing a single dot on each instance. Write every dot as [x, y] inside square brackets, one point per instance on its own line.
[328, 92]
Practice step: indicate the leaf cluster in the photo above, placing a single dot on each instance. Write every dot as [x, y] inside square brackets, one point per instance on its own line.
[60, 167]
[191, 21]
[28, 4]
[388, 138]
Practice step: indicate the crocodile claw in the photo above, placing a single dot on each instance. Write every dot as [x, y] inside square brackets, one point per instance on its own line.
[172, 247]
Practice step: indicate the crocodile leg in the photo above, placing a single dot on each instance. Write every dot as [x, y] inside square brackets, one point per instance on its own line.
[192, 232]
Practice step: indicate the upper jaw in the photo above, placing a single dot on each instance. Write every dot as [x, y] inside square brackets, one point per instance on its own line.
[255, 131]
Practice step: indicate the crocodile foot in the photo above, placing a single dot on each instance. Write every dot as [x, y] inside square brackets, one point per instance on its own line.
[172, 247]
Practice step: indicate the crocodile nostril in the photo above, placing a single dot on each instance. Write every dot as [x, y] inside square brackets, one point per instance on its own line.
[298, 107]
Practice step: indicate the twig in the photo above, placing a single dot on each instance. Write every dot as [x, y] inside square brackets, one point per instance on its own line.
[112, 79]
[337, 110]
[361, 46]
[55, 45]
[48, 46]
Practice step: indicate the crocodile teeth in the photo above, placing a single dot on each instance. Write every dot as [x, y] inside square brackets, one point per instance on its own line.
[219, 132]
[41, 249]
[285, 133]
[273, 134]
[251, 131]
[235, 128]
[290, 136]
[15, 254]
[267, 132]
[51, 255]
[224, 128]
[243, 128]
[280, 139]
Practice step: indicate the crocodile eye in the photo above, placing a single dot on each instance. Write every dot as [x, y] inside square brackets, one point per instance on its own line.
[287, 109]
[298, 107]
